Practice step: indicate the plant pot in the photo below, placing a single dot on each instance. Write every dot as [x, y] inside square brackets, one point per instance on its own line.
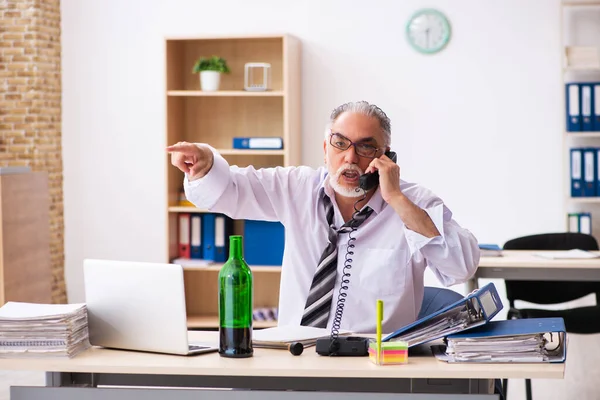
[209, 80]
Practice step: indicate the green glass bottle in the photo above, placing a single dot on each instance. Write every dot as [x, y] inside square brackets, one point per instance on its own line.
[235, 303]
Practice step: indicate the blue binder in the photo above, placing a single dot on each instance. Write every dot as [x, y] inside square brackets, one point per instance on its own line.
[525, 326]
[576, 173]
[216, 229]
[474, 310]
[589, 172]
[258, 143]
[196, 236]
[596, 107]
[223, 229]
[586, 106]
[208, 233]
[573, 103]
[264, 242]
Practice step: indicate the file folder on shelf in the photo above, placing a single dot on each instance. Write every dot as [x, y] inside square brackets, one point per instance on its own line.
[573, 103]
[474, 310]
[576, 173]
[216, 229]
[258, 143]
[184, 235]
[196, 236]
[596, 107]
[589, 172]
[526, 340]
[586, 107]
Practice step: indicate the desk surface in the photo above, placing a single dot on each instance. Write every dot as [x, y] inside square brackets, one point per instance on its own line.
[274, 363]
[526, 258]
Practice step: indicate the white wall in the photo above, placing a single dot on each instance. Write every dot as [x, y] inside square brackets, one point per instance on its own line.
[480, 123]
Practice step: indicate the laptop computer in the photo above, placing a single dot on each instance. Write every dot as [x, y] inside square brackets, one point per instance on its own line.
[138, 306]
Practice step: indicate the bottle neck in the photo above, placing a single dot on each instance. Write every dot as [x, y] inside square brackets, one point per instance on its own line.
[235, 248]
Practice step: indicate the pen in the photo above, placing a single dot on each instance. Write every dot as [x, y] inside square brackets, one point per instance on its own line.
[296, 348]
[379, 319]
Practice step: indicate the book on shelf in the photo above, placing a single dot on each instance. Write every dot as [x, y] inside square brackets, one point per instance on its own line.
[43, 330]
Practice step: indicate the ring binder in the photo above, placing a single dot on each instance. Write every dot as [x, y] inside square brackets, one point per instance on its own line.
[474, 310]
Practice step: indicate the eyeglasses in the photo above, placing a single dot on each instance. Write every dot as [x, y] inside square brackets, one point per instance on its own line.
[343, 143]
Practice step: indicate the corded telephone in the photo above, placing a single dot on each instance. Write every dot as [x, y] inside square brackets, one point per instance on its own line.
[370, 180]
[349, 345]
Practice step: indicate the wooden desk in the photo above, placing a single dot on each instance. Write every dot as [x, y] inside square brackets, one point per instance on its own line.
[524, 265]
[272, 373]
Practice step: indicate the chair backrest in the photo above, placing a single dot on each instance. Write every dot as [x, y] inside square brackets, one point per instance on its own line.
[547, 292]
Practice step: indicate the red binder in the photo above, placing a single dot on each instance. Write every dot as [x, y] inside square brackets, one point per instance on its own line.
[184, 235]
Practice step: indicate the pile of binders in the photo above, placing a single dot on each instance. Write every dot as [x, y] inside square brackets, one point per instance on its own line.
[582, 102]
[533, 340]
[471, 336]
[584, 172]
[43, 330]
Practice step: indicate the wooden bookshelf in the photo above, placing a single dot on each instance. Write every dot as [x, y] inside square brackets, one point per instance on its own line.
[225, 93]
[572, 37]
[216, 118]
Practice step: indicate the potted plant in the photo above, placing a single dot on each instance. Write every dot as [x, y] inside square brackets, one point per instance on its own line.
[210, 70]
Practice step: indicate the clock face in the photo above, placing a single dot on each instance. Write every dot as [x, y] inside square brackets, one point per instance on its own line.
[428, 31]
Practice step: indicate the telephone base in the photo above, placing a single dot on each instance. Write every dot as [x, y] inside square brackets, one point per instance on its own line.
[345, 346]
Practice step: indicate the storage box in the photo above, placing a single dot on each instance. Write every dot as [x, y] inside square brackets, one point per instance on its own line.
[263, 242]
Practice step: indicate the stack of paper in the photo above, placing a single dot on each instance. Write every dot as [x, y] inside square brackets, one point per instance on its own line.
[521, 348]
[38, 330]
[575, 254]
[283, 335]
[528, 340]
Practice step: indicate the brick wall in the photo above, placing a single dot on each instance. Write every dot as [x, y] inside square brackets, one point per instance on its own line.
[30, 106]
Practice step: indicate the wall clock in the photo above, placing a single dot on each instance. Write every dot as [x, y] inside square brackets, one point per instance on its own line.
[428, 31]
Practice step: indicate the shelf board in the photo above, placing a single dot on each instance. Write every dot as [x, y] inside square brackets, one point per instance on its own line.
[591, 69]
[238, 152]
[583, 134]
[225, 93]
[584, 199]
[186, 209]
[581, 4]
[272, 269]
[212, 321]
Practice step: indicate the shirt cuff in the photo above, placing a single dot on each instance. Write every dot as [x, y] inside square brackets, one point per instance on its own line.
[416, 241]
[205, 192]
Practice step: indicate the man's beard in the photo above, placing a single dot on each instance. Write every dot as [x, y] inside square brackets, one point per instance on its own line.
[339, 188]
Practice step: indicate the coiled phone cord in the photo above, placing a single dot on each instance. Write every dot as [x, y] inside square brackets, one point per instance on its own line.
[341, 299]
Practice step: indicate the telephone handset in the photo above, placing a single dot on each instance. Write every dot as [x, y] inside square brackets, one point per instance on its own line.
[370, 180]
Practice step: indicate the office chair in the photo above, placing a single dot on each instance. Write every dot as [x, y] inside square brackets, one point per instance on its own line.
[583, 320]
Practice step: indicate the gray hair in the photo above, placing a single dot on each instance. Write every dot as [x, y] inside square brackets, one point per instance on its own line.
[370, 110]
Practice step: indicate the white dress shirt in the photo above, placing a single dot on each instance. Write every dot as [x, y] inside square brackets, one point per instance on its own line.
[389, 259]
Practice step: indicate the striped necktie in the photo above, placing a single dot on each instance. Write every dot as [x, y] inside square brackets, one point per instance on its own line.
[320, 296]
